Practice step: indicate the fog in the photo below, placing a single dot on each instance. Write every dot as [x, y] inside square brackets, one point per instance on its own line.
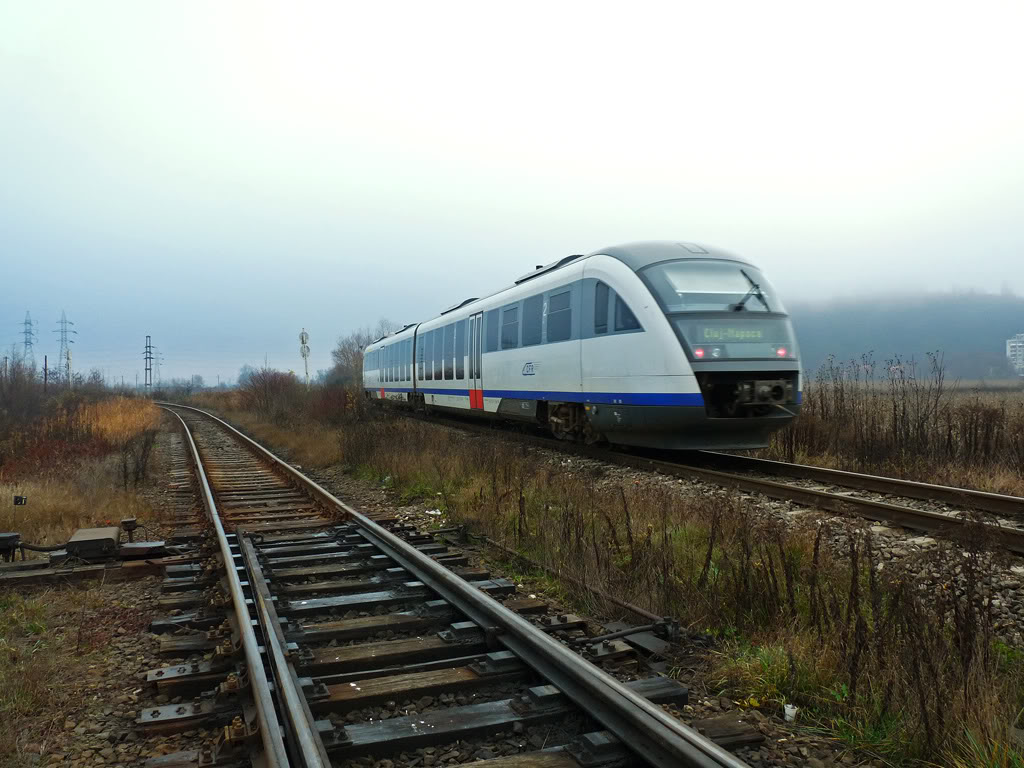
[221, 175]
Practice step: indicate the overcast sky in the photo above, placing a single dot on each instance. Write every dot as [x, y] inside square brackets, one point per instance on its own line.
[219, 175]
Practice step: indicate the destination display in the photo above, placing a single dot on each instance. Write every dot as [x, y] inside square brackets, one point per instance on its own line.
[723, 334]
[736, 336]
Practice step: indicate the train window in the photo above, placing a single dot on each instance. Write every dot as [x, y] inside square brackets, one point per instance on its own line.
[460, 349]
[391, 362]
[403, 368]
[510, 328]
[419, 356]
[408, 360]
[625, 320]
[438, 353]
[600, 308]
[427, 341]
[560, 317]
[493, 328]
[449, 351]
[533, 318]
[387, 363]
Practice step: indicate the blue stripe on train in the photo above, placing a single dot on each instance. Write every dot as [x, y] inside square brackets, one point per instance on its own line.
[611, 398]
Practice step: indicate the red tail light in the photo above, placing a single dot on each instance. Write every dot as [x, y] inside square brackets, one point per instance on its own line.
[698, 353]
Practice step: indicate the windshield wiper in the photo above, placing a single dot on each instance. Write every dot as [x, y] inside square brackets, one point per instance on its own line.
[755, 290]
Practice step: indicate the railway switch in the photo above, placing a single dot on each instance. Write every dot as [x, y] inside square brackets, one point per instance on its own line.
[129, 525]
[94, 543]
[9, 543]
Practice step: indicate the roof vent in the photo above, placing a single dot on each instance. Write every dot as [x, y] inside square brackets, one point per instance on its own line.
[549, 268]
[462, 303]
[693, 248]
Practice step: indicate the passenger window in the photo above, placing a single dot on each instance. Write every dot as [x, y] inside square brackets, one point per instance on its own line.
[427, 341]
[449, 351]
[460, 349]
[560, 317]
[625, 320]
[533, 316]
[493, 330]
[600, 308]
[405, 360]
[419, 356]
[510, 328]
[438, 353]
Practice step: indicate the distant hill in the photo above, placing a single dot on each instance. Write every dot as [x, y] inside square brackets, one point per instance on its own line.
[969, 328]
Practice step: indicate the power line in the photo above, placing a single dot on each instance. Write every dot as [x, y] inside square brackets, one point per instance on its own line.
[64, 355]
[30, 336]
[147, 356]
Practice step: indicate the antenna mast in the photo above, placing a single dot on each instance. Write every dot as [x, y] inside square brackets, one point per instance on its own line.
[304, 351]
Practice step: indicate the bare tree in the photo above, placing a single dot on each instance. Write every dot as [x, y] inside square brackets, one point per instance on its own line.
[348, 353]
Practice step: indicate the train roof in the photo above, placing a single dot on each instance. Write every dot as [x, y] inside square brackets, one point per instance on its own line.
[642, 254]
[636, 256]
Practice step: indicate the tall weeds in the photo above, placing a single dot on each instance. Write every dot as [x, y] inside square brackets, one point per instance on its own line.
[905, 419]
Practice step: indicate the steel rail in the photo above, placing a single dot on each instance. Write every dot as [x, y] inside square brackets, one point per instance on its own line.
[641, 726]
[1011, 539]
[907, 517]
[996, 503]
[307, 746]
[270, 729]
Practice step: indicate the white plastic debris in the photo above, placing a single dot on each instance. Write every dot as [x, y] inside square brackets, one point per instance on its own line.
[434, 512]
[789, 711]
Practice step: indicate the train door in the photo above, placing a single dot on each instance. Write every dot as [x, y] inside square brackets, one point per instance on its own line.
[476, 356]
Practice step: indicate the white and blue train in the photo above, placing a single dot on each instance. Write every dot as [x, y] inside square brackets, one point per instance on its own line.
[659, 344]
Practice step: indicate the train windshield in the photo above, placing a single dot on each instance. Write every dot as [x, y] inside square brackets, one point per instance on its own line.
[723, 310]
[699, 285]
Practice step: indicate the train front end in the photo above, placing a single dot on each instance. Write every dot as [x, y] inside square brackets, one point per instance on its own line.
[729, 331]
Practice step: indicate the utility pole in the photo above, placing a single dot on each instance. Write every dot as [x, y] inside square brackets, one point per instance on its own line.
[157, 359]
[304, 351]
[46, 374]
[147, 355]
[30, 336]
[64, 355]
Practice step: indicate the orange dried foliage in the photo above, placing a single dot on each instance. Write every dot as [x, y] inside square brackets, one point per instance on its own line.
[120, 419]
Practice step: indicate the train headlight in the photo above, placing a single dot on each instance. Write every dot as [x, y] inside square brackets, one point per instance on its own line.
[781, 351]
[698, 352]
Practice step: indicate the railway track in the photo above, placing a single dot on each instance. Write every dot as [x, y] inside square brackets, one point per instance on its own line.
[297, 651]
[887, 500]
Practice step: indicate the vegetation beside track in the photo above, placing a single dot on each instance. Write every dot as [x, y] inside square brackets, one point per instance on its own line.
[77, 455]
[910, 672]
[907, 420]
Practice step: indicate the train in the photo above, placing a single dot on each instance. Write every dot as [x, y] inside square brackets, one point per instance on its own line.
[657, 344]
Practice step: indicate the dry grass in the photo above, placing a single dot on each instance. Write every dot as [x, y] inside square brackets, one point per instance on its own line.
[906, 420]
[867, 654]
[52, 642]
[913, 676]
[85, 497]
[40, 652]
